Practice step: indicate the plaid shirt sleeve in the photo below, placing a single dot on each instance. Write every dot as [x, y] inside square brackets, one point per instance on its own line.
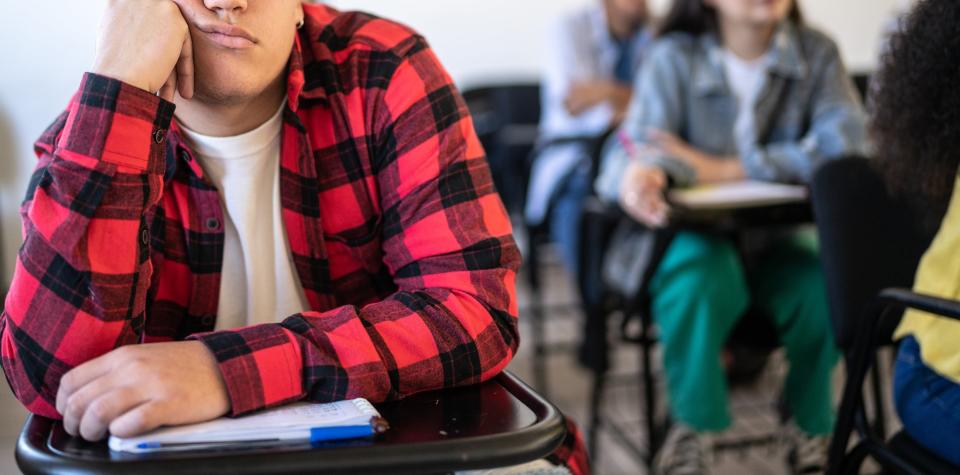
[447, 244]
[82, 274]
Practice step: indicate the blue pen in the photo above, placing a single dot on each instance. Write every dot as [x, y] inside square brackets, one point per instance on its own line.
[325, 434]
[315, 435]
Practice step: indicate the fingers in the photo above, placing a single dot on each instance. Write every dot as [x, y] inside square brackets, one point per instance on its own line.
[169, 88]
[660, 136]
[78, 403]
[79, 377]
[184, 70]
[651, 210]
[143, 418]
[657, 179]
[575, 104]
[643, 195]
[102, 411]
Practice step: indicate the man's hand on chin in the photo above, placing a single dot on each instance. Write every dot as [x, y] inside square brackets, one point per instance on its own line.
[137, 388]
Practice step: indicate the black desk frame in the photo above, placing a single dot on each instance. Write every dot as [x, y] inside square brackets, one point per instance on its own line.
[35, 455]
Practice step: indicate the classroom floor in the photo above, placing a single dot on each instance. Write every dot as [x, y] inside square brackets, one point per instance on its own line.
[569, 390]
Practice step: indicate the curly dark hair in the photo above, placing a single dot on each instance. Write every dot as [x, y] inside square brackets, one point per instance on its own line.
[916, 105]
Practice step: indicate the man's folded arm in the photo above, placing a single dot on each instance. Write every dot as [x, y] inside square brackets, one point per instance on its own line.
[82, 275]
[448, 245]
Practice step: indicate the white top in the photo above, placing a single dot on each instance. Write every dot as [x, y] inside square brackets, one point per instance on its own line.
[259, 283]
[746, 79]
[581, 49]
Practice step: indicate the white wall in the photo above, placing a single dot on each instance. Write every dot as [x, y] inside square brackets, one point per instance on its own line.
[48, 45]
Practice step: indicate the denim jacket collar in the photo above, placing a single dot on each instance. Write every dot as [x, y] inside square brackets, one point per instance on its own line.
[785, 59]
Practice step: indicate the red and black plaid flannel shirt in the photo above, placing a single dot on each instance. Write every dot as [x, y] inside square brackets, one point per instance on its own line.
[400, 241]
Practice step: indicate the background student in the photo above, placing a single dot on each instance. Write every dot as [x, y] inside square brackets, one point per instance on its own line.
[592, 58]
[735, 89]
[916, 126]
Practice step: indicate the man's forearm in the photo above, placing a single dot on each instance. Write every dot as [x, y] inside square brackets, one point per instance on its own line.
[83, 272]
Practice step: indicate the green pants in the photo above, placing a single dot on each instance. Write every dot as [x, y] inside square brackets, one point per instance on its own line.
[700, 291]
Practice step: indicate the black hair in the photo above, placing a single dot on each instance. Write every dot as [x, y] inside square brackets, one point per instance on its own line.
[916, 105]
[696, 17]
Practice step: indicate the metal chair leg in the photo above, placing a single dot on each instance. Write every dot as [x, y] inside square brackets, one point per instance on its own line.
[596, 418]
[876, 383]
[649, 408]
[537, 315]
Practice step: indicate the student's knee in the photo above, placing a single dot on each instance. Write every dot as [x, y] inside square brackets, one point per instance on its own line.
[700, 280]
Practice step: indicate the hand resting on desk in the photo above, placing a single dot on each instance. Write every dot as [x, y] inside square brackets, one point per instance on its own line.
[137, 388]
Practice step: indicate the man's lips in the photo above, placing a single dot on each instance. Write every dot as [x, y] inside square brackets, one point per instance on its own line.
[229, 36]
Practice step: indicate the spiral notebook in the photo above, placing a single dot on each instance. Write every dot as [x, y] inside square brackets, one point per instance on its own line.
[294, 423]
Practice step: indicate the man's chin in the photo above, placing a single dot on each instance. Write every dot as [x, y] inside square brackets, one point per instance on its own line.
[225, 96]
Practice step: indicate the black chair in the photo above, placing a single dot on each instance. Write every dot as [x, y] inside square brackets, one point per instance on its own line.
[589, 253]
[900, 454]
[869, 241]
[506, 118]
[862, 82]
[853, 209]
[754, 336]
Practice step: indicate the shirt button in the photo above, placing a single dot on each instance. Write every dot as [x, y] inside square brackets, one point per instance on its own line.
[159, 135]
[213, 224]
[144, 237]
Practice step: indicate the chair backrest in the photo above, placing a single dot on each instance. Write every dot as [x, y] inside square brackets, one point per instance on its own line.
[869, 240]
[862, 82]
[507, 118]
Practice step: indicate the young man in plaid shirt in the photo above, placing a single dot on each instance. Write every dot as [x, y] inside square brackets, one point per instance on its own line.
[314, 225]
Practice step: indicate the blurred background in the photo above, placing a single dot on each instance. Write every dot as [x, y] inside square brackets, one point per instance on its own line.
[48, 45]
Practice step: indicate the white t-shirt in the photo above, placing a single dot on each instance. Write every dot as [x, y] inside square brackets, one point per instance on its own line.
[746, 79]
[259, 283]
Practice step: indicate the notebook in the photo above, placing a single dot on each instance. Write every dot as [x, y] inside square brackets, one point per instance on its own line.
[299, 422]
[740, 194]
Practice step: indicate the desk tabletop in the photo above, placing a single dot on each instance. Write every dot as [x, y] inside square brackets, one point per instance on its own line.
[743, 218]
[499, 423]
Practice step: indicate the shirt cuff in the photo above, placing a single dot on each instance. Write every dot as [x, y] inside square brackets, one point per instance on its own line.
[117, 123]
[261, 366]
